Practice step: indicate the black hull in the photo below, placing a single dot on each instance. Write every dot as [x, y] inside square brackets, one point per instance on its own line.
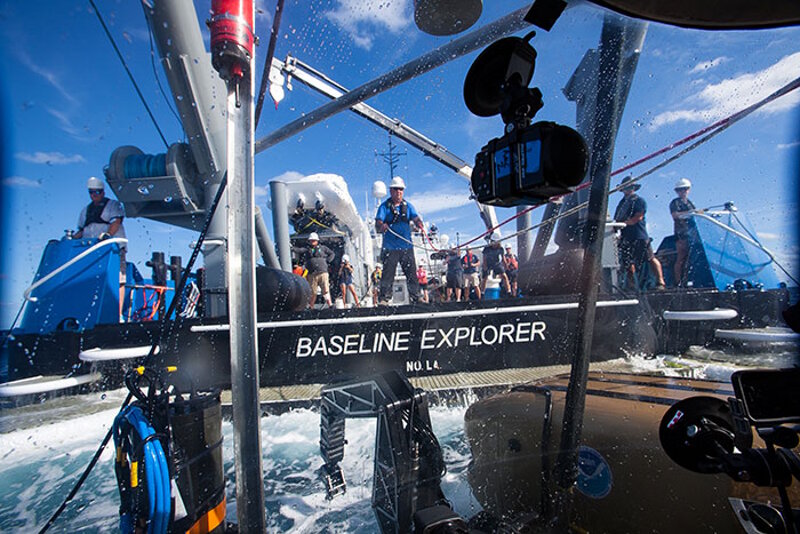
[333, 345]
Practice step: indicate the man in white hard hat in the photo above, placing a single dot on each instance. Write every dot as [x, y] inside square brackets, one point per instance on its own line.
[393, 221]
[101, 219]
[346, 282]
[317, 258]
[681, 209]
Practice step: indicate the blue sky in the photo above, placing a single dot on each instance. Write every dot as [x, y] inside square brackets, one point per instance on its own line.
[68, 104]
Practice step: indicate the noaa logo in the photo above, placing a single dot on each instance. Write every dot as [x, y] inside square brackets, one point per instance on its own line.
[594, 473]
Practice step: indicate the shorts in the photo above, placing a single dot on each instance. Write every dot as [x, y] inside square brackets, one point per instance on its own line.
[423, 285]
[495, 270]
[455, 280]
[319, 280]
[471, 280]
[635, 252]
[512, 275]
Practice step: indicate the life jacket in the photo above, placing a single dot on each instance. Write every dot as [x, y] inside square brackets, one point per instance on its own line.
[94, 213]
[397, 215]
[511, 261]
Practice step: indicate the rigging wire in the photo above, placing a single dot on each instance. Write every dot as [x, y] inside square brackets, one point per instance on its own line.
[273, 39]
[130, 75]
[155, 74]
[147, 360]
[707, 134]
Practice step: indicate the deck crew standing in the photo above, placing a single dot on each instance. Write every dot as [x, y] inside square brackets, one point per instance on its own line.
[317, 257]
[455, 275]
[681, 209]
[102, 219]
[393, 221]
[471, 262]
[634, 244]
[494, 264]
[512, 268]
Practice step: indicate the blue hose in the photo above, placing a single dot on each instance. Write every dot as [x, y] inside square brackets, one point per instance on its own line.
[155, 467]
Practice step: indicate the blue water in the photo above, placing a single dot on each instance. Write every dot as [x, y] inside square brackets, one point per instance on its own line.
[38, 467]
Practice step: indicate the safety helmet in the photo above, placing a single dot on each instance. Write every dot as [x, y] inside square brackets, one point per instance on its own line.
[397, 183]
[95, 183]
[683, 183]
[313, 236]
[345, 258]
[379, 266]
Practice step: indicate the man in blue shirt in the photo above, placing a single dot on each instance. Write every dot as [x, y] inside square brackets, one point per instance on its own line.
[393, 221]
[634, 244]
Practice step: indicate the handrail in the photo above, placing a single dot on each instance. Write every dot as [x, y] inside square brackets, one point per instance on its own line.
[96, 246]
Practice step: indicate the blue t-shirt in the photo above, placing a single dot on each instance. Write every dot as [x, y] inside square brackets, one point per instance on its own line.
[392, 215]
[627, 208]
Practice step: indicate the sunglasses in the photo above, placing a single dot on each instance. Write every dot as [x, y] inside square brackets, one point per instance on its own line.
[96, 192]
[396, 188]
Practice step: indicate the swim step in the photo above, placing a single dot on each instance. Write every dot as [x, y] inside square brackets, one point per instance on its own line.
[44, 384]
[717, 314]
[109, 355]
[769, 334]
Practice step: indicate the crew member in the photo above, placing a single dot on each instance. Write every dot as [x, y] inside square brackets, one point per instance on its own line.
[681, 209]
[470, 262]
[375, 279]
[422, 280]
[392, 220]
[102, 219]
[317, 257]
[512, 268]
[493, 264]
[346, 280]
[455, 275]
[634, 244]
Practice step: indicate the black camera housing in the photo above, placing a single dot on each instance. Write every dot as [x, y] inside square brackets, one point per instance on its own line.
[529, 165]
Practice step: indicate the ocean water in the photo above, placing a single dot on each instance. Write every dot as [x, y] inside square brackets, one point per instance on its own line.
[44, 448]
[40, 464]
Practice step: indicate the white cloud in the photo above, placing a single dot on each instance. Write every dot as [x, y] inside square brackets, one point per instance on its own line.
[66, 124]
[288, 176]
[260, 191]
[784, 146]
[768, 236]
[364, 20]
[716, 101]
[21, 181]
[705, 65]
[50, 158]
[439, 200]
[49, 76]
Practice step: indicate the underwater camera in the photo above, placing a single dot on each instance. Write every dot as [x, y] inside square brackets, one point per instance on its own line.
[708, 435]
[531, 162]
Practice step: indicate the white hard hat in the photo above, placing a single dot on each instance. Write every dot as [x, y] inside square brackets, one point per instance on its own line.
[397, 183]
[683, 183]
[313, 236]
[345, 257]
[379, 266]
[95, 183]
